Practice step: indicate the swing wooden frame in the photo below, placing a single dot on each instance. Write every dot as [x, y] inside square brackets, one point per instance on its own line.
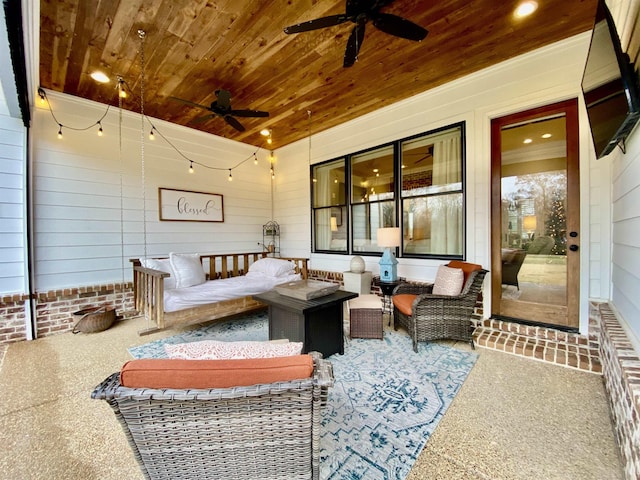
[148, 291]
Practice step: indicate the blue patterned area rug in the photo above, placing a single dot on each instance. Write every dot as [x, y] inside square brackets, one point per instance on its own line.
[386, 402]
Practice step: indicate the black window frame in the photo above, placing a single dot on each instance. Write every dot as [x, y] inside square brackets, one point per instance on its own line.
[397, 196]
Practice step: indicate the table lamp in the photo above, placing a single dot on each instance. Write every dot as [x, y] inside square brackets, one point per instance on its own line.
[529, 223]
[389, 238]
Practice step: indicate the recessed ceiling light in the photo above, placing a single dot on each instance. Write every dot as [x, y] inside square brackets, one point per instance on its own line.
[525, 9]
[100, 77]
[527, 140]
[546, 135]
[375, 170]
[265, 132]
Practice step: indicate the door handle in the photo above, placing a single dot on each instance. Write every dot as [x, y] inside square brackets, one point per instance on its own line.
[573, 248]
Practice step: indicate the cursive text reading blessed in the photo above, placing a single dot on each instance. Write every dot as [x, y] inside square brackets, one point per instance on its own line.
[186, 208]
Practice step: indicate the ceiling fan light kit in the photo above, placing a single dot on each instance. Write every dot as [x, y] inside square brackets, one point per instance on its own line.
[360, 12]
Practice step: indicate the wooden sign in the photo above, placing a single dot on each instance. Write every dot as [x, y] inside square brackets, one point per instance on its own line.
[187, 206]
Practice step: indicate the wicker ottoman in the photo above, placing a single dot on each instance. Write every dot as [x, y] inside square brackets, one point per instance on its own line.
[365, 317]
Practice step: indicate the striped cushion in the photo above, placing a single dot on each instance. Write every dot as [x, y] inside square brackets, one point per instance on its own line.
[448, 281]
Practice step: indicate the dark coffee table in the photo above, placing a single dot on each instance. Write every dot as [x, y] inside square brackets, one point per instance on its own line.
[317, 323]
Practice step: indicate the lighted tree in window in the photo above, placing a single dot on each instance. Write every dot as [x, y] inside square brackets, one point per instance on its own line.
[556, 226]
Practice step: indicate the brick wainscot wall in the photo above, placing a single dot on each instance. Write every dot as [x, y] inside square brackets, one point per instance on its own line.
[55, 309]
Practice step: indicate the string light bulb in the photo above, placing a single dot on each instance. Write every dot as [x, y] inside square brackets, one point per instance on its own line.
[190, 165]
[100, 133]
[121, 91]
[60, 130]
[151, 136]
[42, 95]
[230, 176]
[255, 159]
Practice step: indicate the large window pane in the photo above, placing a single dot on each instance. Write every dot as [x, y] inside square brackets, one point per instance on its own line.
[433, 225]
[367, 218]
[330, 229]
[329, 184]
[329, 206]
[432, 199]
[372, 176]
[372, 194]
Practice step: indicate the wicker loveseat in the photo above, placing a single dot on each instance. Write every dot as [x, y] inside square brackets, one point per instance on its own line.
[267, 430]
[426, 316]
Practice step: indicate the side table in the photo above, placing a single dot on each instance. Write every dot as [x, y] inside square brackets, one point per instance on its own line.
[387, 290]
[317, 323]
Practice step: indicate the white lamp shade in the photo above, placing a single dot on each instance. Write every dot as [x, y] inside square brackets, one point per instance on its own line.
[529, 223]
[388, 237]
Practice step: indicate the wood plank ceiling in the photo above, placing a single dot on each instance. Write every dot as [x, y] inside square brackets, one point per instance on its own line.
[194, 47]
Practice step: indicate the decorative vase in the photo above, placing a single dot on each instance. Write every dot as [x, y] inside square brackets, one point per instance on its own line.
[357, 264]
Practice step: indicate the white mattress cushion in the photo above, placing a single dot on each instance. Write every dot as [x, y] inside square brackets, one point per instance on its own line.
[214, 291]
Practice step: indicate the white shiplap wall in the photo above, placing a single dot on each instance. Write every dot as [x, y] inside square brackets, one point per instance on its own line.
[625, 261]
[89, 196]
[541, 77]
[624, 194]
[12, 203]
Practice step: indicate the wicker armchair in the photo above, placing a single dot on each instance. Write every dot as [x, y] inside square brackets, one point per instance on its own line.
[426, 316]
[267, 431]
[512, 260]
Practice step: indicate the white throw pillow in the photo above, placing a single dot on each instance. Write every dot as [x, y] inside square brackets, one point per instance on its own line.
[164, 265]
[448, 281]
[216, 350]
[273, 267]
[188, 269]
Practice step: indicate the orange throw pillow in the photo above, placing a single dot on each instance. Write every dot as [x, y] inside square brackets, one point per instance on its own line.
[186, 374]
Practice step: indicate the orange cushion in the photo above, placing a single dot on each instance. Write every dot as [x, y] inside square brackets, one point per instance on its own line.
[184, 374]
[403, 302]
[466, 267]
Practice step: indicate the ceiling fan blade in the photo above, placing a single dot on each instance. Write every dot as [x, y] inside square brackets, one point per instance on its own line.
[223, 99]
[322, 22]
[355, 42]
[234, 123]
[399, 27]
[202, 119]
[189, 103]
[248, 113]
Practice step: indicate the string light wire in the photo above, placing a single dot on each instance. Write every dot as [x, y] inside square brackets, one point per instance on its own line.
[154, 129]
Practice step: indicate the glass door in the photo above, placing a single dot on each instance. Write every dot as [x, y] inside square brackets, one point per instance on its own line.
[535, 216]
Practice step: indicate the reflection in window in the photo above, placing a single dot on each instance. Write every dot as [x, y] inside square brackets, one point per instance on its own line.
[372, 193]
[432, 194]
[329, 207]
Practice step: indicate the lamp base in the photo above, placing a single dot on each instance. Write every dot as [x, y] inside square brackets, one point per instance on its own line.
[388, 266]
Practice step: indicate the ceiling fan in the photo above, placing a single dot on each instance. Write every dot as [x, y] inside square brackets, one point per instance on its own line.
[221, 107]
[360, 12]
